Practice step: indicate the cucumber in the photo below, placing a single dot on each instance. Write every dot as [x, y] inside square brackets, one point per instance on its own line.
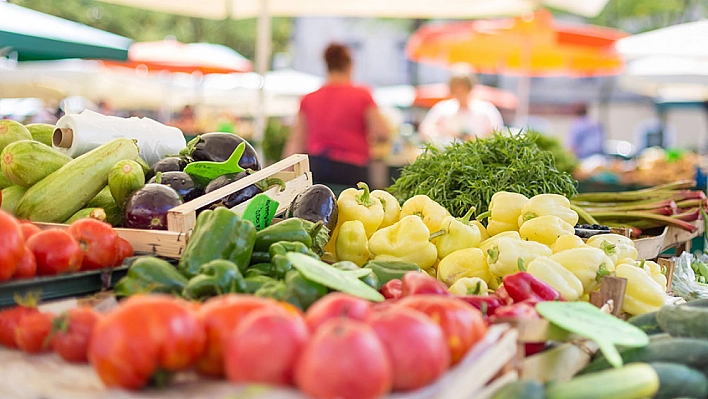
[41, 132]
[521, 390]
[26, 162]
[11, 197]
[677, 380]
[144, 165]
[125, 177]
[684, 321]
[61, 194]
[691, 352]
[632, 381]
[4, 181]
[11, 131]
[105, 201]
[647, 323]
[93, 213]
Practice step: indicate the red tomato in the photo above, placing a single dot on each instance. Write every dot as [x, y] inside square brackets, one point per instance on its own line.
[125, 250]
[72, 332]
[461, 322]
[98, 241]
[27, 268]
[415, 345]
[12, 245]
[344, 359]
[264, 347]
[145, 334]
[32, 332]
[9, 318]
[29, 229]
[220, 316]
[56, 251]
[334, 305]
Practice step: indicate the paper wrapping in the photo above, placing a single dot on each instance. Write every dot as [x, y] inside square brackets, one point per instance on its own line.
[91, 129]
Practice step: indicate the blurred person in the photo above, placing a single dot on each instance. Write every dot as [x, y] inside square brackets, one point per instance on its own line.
[337, 124]
[586, 136]
[462, 117]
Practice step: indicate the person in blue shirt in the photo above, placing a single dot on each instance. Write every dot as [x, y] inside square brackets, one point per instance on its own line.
[586, 136]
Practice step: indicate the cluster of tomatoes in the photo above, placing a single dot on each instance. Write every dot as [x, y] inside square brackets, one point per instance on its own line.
[27, 251]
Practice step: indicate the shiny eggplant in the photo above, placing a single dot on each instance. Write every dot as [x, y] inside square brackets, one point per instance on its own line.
[218, 147]
[243, 194]
[316, 203]
[146, 208]
[169, 164]
[182, 183]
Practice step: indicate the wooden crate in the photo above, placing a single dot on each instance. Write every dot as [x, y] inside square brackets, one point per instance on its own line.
[170, 243]
[671, 237]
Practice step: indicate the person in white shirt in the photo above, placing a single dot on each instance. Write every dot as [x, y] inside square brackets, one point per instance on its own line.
[462, 117]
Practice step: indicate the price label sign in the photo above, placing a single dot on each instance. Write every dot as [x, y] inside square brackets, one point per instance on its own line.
[260, 210]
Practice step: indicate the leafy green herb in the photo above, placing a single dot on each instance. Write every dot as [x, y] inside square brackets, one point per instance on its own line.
[467, 174]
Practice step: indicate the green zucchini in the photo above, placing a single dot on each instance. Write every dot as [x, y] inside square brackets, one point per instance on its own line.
[26, 162]
[105, 201]
[677, 380]
[125, 177]
[4, 181]
[144, 165]
[522, 389]
[41, 132]
[684, 320]
[632, 381]
[11, 131]
[647, 323]
[92, 213]
[61, 194]
[11, 197]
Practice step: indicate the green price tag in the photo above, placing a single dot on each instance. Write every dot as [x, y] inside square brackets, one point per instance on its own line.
[260, 210]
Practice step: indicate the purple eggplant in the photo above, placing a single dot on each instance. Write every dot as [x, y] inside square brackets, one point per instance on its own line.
[147, 207]
[218, 147]
[315, 203]
[182, 183]
[169, 164]
[243, 194]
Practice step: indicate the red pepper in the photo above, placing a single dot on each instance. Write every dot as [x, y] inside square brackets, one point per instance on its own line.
[503, 296]
[416, 283]
[521, 310]
[487, 304]
[523, 286]
[393, 289]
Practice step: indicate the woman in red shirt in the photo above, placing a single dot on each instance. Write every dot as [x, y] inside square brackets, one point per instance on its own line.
[336, 124]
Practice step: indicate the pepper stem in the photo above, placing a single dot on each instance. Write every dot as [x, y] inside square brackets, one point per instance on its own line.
[158, 177]
[466, 218]
[365, 197]
[521, 265]
[269, 182]
[641, 264]
[476, 290]
[608, 247]
[493, 254]
[437, 234]
[484, 215]
[601, 272]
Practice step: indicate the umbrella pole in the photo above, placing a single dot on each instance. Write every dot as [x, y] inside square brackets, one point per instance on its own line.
[263, 50]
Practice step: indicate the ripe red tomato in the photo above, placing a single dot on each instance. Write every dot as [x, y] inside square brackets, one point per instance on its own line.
[336, 305]
[145, 334]
[264, 347]
[29, 229]
[220, 316]
[461, 322]
[9, 318]
[344, 359]
[32, 332]
[415, 345]
[72, 332]
[12, 245]
[27, 268]
[56, 251]
[98, 241]
[125, 250]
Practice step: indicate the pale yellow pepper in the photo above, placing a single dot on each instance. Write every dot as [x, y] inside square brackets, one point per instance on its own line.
[655, 270]
[616, 246]
[469, 286]
[428, 210]
[352, 244]
[545, 229]
[484, 234]
[455, 234]
[504, 210]
[643, 294]
[391, 207]
[548, 204]
[558, 277]
[469, 262]
[406, 240]
[488, 243]
[588, 264]
[567, 242]
[359, 205]
[503, 257]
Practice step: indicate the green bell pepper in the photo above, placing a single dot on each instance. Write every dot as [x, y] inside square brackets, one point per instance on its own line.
[280, 264]
[371, 279]
[295, 290]
[150, 274]
[254, 283]
[390, 270]
[218, 234]
[217, 277]
[313, 235]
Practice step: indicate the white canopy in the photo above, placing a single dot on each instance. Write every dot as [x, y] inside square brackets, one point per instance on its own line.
[667, 78]
[683, 40]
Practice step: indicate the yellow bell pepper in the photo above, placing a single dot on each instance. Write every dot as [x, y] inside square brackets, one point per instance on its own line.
[504, 210]
[406, 240]
[545, 229]
[456, 234]
[469, 262]
[503, 257]
[484, 234]
[352, 244]
[616, 246]
[655, 270]
[359, 205]
[548, 204]
[567, 242]
[428, 210]
[642, 295]
[391, 207]
[488, 243]
[588, 264]
[469, 286]
[558, 277]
